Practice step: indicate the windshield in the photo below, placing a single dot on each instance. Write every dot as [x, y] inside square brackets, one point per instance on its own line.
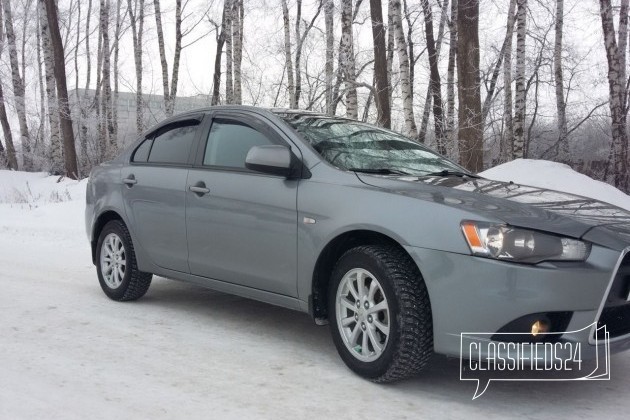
[352, 145]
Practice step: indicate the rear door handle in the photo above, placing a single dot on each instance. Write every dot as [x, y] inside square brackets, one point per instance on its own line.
[199, 189]
[130, 181]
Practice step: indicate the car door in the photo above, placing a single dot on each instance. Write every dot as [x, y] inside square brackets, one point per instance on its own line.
[155, 192]
[242, 225]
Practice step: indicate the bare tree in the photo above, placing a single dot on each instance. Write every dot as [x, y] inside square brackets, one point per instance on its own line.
[69, 152]
[435, 84]
[507, 140]
[229, 83]
[56, 148]
[18, 85]
[403, 62]
[106, 140]
[84, 106]
[390, 48]
[347, 59]
[117, 34]
[288, 55]
[136, 19]
[4, 119]
[497, 67]
[169, 93]
[520, 95]
[329, 10]
[300, 38]
[559, 79]
[615, 57]
[384, 116]
[469, 115]
[220, 39]
[237, 44]
[450, 78]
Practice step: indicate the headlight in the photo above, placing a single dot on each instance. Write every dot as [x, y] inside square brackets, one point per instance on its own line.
[521, 245]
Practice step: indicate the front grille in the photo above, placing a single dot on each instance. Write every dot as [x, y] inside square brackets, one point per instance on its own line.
[616, 312]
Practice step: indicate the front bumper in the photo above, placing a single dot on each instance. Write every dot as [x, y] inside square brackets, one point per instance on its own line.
[479, 295]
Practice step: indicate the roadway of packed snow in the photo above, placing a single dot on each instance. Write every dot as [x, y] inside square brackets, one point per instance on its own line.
[68, 352]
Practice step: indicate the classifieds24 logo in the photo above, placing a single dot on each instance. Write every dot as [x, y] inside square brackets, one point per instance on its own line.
[486, 357]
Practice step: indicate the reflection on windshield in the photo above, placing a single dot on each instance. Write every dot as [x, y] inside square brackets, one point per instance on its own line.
[350, 144]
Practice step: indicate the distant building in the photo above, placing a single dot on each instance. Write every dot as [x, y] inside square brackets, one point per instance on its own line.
[126, 109]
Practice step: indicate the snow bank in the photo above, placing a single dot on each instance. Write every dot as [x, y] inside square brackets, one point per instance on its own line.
[32, 189]
[556, 176]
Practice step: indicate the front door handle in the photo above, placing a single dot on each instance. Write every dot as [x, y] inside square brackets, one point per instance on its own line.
[130, 180]
[199, 189]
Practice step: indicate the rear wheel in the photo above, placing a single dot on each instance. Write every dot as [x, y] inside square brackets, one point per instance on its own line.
[380, 314]
[116, 266]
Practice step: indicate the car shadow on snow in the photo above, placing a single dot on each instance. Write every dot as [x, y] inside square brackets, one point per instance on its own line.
[439, 381]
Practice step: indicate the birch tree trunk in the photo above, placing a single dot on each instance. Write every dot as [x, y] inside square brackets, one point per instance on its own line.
[623, 44]
[520, 95]
[18, 86]
[216, 78]
[69, 151]
[4, 120]
[288, 57]
[384, 116]
[136, 19]
[116, 57]
[84, 106]
[170, 105]
[506, 147]
[98, 93]
[237, 23]
[6, 131]
[616, 86]
[41, 132]
[346, 56]
[163, 62]
[229, 84]
[403, 62]
[106, 140]
[329, 10]
[559, 79]
[450, 78]
[410, 45]
[170, 94]
[56, 147]
[469, 115]
[390, 48]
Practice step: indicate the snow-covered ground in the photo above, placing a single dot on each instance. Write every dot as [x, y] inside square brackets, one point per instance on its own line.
[68, 352]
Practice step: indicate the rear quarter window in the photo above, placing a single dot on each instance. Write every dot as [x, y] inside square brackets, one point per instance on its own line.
[142, 152]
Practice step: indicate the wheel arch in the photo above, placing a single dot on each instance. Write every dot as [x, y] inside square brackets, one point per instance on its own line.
[99, 224]
[330, 254]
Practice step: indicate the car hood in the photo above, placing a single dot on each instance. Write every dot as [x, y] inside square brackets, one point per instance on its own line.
[518, 205]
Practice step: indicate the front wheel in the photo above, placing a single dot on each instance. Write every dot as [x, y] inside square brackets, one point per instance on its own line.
[380, 314]
[116, 266]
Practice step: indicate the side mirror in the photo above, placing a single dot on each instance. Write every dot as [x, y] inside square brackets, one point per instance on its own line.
[271, 159]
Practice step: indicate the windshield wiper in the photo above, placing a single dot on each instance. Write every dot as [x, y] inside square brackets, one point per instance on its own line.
[448, 172]
[379, 171]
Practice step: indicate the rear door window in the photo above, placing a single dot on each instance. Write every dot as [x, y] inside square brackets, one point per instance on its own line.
[172, 144]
